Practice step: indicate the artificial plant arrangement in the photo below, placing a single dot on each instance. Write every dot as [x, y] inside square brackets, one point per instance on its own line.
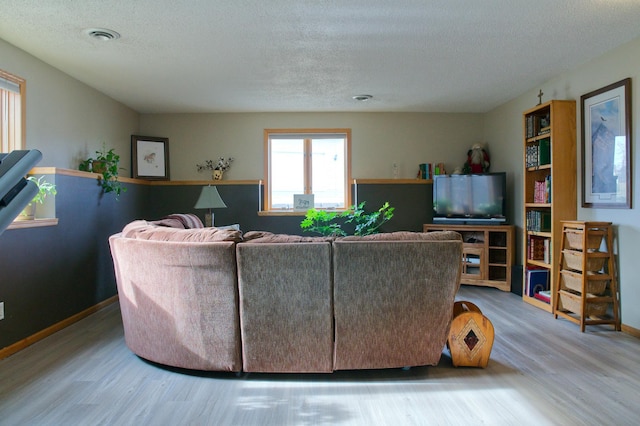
[218, 167]
[106, 163]
[329, 223]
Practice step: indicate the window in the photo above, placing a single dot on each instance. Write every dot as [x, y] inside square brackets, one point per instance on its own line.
[12, 112]
[307, 162]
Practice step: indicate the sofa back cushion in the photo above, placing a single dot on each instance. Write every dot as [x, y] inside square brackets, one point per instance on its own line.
[264, 237]
[286, 306]
[179, 302]
[406, 236]
[393, 300]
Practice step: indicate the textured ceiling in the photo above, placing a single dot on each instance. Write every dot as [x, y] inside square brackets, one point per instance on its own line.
[314, 55]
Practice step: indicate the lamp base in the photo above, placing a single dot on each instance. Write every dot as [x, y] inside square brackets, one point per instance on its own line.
[208, 219]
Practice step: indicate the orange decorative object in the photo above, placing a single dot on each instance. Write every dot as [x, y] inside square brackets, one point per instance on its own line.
[470, 336]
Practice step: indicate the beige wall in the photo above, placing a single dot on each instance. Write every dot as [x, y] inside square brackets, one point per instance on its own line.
[66, 119]
[503, 125]
[379, 139]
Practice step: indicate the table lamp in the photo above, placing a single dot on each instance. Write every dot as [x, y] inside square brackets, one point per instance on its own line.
[209, 199]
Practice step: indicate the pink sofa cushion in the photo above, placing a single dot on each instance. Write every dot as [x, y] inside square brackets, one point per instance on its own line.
[143, 230]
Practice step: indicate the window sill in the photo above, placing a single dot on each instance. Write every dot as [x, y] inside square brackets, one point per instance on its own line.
[35, 223]
[291, 212]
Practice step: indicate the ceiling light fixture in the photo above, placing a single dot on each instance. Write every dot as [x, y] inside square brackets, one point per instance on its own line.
[362, 98]
[102, 34]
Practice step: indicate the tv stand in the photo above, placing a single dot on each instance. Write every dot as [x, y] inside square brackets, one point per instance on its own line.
[487, 253]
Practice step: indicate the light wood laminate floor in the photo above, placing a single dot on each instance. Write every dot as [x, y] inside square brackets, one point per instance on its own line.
[542, 372]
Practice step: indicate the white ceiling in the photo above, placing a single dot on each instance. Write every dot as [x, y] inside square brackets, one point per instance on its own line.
[314, 55]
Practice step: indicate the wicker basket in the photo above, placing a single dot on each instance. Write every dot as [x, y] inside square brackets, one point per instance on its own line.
[573, 281]
[593, 242]
[573, 260]
[571, 302]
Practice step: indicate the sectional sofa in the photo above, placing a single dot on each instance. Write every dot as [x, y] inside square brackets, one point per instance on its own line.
[215, 299]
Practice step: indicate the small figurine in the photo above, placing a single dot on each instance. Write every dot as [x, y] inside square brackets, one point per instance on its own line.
[477, 160]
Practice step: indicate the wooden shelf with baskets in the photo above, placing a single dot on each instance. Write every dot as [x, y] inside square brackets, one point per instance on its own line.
[587, 291]
[550, 169]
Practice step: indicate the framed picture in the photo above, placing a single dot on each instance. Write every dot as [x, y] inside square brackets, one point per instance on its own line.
[150, 157]
[302, 202]
[606, 146]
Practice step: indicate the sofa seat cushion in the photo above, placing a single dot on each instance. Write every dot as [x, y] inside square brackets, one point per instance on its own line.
[143, 230]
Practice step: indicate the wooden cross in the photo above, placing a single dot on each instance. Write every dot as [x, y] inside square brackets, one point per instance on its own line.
[540, 97]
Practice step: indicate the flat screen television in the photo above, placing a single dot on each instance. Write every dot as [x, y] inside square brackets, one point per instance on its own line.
[475, 199]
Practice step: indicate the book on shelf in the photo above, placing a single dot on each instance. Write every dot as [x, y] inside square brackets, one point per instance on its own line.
[535, 245]
[538, 221]
[544, 151]
[545, 296]
[429, 170]
[542, 190]
[536, 280]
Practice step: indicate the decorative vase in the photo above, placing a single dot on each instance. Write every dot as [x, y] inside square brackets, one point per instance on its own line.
[217, 175]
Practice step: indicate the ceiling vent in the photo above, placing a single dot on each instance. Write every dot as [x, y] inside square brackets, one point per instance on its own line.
[102, 34]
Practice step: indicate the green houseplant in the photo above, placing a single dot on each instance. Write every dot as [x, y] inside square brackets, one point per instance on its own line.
[44, 188]
[106, 163]
[330, 223]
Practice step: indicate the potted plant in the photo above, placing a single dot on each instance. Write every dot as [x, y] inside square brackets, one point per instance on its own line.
[106, 163]
[44, 188]
[327, 223]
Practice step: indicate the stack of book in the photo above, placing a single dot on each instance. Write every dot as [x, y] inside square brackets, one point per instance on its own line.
[429, 170]
[538, 154]
[542, 191]
[539, 248]
[538, 221]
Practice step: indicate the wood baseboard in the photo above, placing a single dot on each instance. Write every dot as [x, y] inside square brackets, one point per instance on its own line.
[20, 345]
[630, 330]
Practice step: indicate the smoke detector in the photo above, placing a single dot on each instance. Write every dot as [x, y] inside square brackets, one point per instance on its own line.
[362, 98]
[102, 34]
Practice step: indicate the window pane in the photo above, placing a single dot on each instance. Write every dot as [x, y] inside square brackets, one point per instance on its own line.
[287, 171]
[328, 172]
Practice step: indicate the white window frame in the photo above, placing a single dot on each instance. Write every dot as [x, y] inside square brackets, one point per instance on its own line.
[307, 135]
[13, 107]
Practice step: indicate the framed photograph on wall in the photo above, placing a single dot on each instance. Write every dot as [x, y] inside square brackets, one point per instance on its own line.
[606, 146]
[150, 157]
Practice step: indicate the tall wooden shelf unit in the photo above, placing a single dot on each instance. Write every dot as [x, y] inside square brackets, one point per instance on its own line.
[549, 188]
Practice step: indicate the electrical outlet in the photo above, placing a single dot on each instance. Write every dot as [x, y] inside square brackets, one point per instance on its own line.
[1, 310]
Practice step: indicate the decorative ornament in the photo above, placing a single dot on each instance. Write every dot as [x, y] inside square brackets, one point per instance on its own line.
[477, 160]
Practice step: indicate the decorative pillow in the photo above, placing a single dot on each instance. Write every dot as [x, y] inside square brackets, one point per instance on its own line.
[170, 223]
[234, 227]
[188, 220]
[269, 237]
[406, 235]
[143, 230]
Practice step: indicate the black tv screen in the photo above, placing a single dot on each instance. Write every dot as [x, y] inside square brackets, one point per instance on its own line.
[472, 199]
